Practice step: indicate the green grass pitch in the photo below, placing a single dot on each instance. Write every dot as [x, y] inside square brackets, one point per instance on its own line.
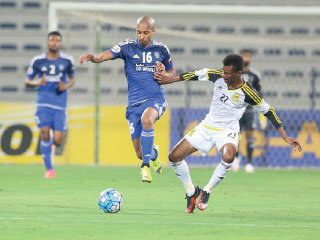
[269, 204]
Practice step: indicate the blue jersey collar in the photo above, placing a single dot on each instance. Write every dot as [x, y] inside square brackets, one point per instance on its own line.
[52, 59]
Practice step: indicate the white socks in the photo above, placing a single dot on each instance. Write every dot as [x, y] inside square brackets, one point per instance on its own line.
[218, 174]
[182, 171]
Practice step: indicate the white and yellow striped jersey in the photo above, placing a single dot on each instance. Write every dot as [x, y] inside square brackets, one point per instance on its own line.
[228, 106]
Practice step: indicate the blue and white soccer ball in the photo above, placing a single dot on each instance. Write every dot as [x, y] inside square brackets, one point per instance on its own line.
[110, 201]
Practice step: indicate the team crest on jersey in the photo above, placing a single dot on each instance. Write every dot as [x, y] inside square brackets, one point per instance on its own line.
[157, 54]
[44, 69]
[235, 97]
[116, 49]
[61, 67]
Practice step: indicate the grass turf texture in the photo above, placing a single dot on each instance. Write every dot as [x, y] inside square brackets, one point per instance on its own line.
[268, 204]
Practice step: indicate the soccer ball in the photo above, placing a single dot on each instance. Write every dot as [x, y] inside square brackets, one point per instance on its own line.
[110, 201]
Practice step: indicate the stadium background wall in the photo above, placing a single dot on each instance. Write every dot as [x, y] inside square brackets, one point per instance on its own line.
[270, 149]
[19, 136]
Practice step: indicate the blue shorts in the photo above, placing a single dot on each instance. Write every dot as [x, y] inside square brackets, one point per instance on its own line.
[49, 117]
[134, 113]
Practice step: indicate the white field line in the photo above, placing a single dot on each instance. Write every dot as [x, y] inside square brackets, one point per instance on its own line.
[161, 223]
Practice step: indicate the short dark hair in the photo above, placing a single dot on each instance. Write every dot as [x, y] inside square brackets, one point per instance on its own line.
[235, 61]
[56, 33]
[245, 50]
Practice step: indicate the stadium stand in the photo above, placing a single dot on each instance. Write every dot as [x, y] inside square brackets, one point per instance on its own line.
[24, 36]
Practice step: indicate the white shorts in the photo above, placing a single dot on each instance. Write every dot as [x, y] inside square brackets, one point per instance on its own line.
[205, 139]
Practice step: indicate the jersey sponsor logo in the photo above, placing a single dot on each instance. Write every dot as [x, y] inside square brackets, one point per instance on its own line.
[116, 49]
[235, 97]
[136, 56]
[44, 69]
[53, 78]
[143, 68]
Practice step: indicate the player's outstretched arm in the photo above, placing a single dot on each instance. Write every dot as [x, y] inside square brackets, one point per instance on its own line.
[96, 58]
[292, 141]
[31, 83]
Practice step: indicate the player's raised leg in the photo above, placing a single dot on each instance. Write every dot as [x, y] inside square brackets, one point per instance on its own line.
[180, 166]
[228, 152]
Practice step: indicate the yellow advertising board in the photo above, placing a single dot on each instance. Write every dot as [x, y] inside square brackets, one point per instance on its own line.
[19, 136]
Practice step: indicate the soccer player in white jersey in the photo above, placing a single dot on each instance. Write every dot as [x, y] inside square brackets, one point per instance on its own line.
[53, 69]
[146, 100]
[221, 125]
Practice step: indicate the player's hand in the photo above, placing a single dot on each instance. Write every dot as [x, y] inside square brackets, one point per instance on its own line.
[42, 81]
[294, 142]
[85, 58]
[162, 77]
[160, 67]
[62, 86]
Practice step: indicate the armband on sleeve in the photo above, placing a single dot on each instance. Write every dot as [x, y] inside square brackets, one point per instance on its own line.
[188, 76]
[273, 117]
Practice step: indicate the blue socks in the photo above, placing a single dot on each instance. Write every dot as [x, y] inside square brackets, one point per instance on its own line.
[45, 148]
[146, 141]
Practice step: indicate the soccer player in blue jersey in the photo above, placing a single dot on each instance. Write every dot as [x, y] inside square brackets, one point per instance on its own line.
[146, 97]
[52, 69]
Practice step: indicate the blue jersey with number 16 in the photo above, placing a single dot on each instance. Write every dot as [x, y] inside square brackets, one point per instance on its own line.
[140, 65]
[56, 71]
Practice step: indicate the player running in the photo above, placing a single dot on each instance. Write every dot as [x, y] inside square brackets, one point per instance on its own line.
[221, 125]
[146, 100]
[52, 68]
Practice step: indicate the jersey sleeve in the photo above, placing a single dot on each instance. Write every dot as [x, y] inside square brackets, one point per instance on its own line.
[118, 51]
[167, 59]
[70, 69]
[33, 70]
[253, 98]
[204, 74]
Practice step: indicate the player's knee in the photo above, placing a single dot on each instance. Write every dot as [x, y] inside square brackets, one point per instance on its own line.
[147, 123]
[228, 157]
[173, 157]
[45, 136]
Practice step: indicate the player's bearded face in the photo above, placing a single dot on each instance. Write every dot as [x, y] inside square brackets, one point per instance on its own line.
[144, 34]
[54, 43]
